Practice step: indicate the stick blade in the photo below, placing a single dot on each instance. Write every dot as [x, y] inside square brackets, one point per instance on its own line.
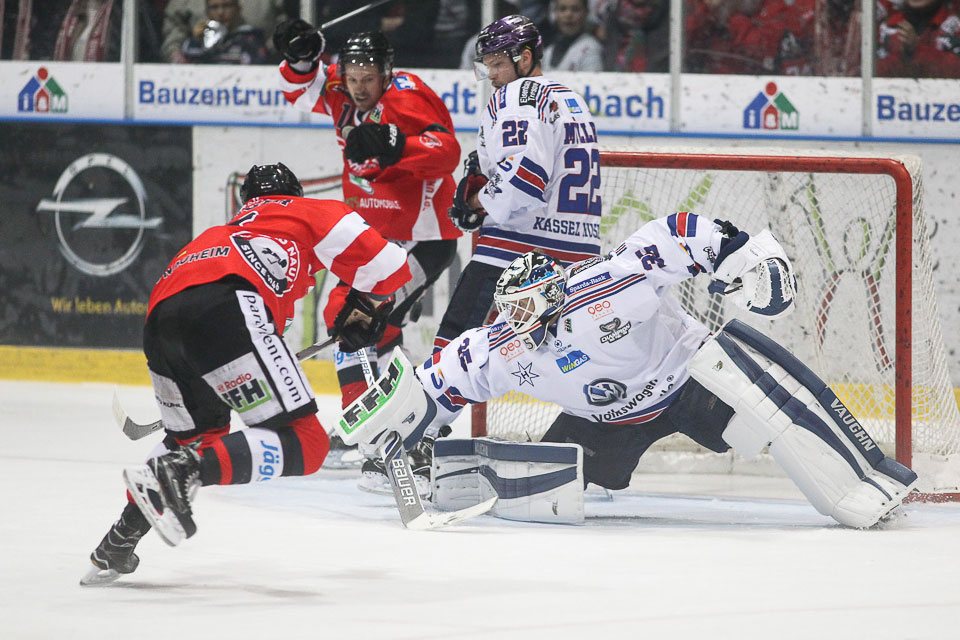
[130, 428]
[427, 521]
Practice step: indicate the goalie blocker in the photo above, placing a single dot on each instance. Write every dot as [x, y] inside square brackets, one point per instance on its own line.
[817, 441]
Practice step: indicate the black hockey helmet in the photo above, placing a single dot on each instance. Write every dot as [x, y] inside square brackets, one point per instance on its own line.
[367, 48]
[270, 180]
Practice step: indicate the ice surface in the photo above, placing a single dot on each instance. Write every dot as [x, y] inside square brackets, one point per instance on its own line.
[316, 558]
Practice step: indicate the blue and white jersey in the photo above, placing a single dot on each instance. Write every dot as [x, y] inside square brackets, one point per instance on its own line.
[618, 353]
[537, 146]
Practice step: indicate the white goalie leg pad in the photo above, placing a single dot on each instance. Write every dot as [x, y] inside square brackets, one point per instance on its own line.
[811, 434]
[395, 402]
[534, 482]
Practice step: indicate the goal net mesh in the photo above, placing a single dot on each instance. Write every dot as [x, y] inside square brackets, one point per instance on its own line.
[839, 231]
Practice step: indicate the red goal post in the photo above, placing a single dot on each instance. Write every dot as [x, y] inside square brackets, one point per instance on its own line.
[832, 209]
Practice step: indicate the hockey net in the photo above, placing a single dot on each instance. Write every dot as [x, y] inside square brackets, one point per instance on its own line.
[866, 317]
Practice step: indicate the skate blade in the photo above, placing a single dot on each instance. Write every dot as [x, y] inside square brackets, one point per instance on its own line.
[141, 483]
[97, 577]
[343, 459]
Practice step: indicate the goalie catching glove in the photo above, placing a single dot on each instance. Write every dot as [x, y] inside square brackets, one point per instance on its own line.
[372, 147]
[755, 272]
[298, 41]
[463, 217]
[361, 322]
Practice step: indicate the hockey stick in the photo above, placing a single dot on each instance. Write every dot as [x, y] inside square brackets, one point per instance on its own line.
[348, 15]
[136, 430]
[412, 513]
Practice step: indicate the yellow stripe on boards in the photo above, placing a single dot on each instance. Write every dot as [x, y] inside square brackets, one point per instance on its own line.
[115, 366]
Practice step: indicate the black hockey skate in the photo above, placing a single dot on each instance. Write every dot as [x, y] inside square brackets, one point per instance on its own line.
[163, 489]
[421, 460]
[114, 555]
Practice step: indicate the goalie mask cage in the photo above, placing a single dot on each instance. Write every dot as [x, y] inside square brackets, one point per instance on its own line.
[866, 318]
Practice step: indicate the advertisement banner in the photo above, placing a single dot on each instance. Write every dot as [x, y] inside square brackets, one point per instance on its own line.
[927, 108]
[92, 215]
[51, 91]
[767, 105]
[212, 93]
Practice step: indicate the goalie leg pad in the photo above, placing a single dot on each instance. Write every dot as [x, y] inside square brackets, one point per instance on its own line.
[535, 482]
[395, 402]
[812, 435]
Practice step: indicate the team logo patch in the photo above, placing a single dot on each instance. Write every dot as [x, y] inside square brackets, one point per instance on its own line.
[430, 140]
[573, 106]
[377, 114]
[525, 374]
[529, 91]
[604, 391]
[403, 82]
[276, 261]
[614, 330]
[572, 360]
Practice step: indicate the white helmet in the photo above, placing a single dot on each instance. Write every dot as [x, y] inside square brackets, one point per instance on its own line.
[530, 294]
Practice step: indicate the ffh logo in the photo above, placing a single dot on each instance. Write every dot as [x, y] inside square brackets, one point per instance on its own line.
[88, 218]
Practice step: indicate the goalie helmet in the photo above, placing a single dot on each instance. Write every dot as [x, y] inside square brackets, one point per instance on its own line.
[270, 180]
[367, 48]
[510, 35]
[530, 294]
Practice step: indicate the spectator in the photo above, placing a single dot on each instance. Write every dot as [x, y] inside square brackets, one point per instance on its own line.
[723, 37]
[225, 38]
[80, 30]
[501, 9]
[456, 21]
[786, 29]
[410, 28]
[837, 38]
[573, 49]
[636, 36]
[181, 16]
[920, 39]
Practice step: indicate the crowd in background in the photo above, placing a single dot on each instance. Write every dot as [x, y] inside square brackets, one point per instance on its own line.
[914, 38]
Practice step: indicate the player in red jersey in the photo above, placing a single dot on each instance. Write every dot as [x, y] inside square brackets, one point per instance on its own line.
[213, 341]
[399, 154]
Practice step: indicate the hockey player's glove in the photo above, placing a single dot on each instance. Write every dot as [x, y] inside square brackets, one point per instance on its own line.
[297, 41]
[361, 322]
[464, 218]
[381, 142]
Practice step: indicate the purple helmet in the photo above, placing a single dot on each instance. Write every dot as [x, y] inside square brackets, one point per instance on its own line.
[512, 35]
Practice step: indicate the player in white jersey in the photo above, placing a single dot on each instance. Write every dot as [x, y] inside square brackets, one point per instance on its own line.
[629, 366]
[534, 183]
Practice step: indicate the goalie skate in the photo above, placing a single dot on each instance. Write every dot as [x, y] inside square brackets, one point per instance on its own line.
[374, 479]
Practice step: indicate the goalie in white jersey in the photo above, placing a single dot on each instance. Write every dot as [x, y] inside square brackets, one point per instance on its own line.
[629, 366]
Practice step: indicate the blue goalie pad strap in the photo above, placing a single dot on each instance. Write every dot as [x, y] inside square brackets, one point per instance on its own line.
[837, 411]
[893, 469]
[794, 409]
[877, 486]
[467, 471]
[508, 488]
[507, 451]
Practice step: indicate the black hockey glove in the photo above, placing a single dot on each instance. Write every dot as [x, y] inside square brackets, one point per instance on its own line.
[360, 323]
[297, 41]
[464, 218]
[384, 142]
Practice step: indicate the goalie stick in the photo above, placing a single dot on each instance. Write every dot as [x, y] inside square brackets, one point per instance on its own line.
[135, 430]
[409, 504]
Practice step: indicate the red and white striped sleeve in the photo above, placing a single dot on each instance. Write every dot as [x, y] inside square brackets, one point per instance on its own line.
[358, 255]
[305, 91]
